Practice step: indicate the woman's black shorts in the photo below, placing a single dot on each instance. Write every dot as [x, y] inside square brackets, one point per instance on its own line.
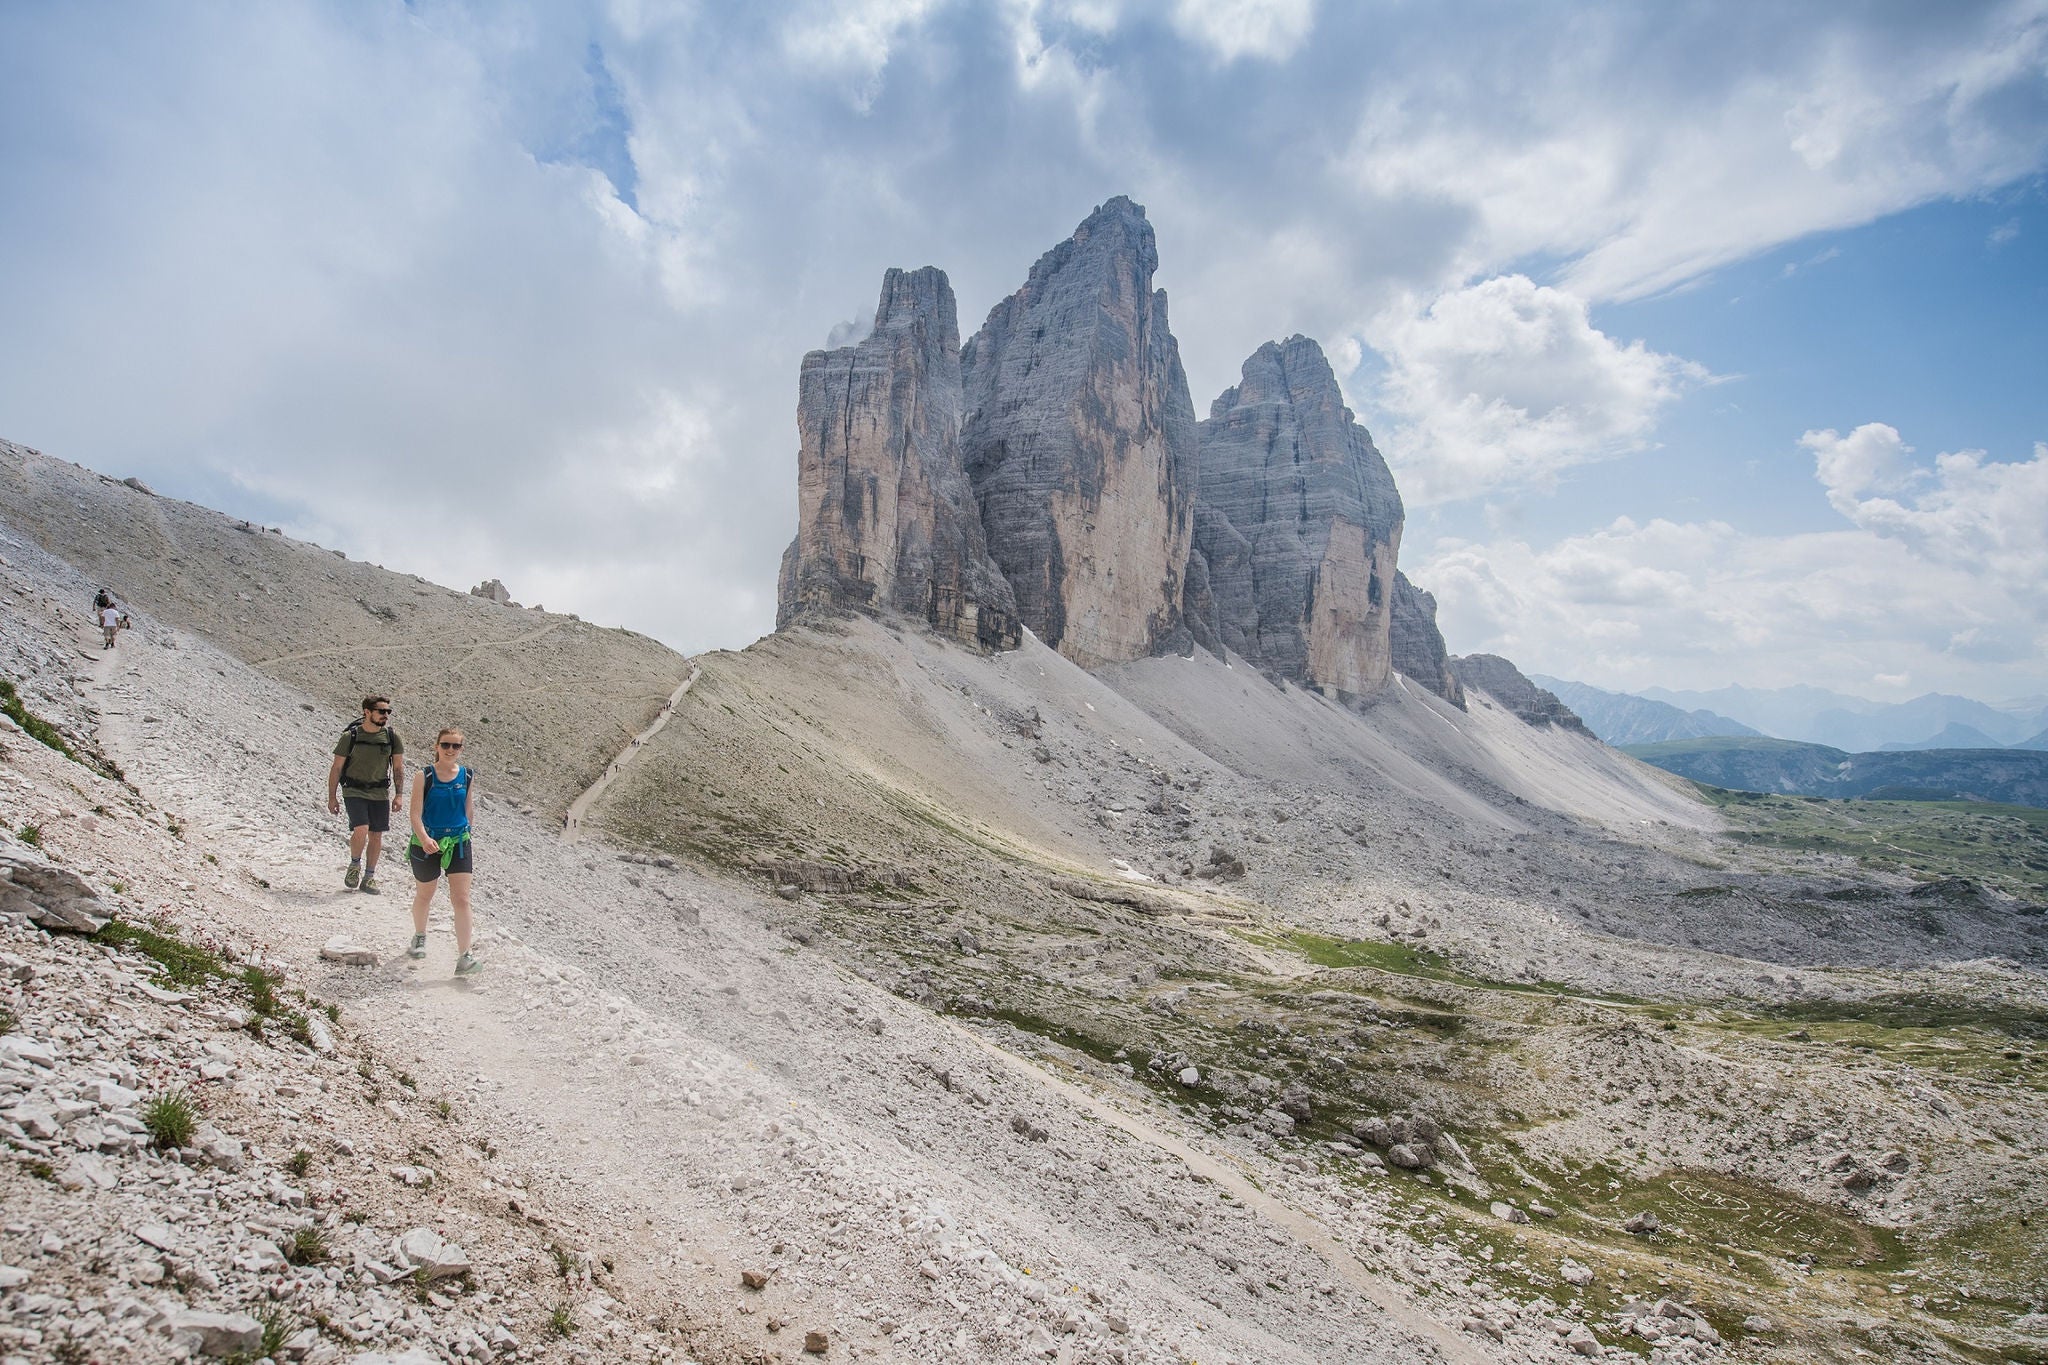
[426, 867]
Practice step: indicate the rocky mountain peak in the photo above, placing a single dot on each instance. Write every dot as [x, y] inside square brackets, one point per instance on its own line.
[887, 519]
[1079, 438]
[1506, 684]
[1299, 529]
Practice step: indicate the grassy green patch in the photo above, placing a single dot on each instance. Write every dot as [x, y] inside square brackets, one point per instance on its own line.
[32, 725]
[184, 964]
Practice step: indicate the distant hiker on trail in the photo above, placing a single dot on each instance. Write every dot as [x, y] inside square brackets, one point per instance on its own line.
[442, 803]
[110, 625]
[101, 600]
[368, 773]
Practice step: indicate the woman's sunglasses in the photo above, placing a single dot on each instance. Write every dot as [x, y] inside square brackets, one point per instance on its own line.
[451, 744]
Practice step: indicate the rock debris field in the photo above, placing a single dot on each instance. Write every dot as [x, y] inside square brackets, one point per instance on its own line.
[995, 1067]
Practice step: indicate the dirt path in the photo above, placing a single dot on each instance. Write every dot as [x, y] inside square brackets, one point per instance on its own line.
[572, 825]
[473, 648]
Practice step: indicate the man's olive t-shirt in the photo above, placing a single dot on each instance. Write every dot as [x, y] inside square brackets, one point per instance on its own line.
[369, 760]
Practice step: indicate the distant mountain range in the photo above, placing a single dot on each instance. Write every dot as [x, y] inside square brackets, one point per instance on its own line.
[1809, 715]
[2011, 776]
[1621, 719]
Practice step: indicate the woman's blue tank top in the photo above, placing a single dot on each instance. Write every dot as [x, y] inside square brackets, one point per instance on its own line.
[447, 805]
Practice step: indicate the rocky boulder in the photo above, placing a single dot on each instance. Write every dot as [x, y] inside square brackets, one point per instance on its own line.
[43, 893]
[1501, 680]
[1079, 439]
[1287, 470]
[491, 590]
[887, 519]
[1418, 646]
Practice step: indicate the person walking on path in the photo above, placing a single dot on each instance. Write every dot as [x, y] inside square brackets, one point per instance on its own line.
[443, 804]
[110, 624]
[368, 774]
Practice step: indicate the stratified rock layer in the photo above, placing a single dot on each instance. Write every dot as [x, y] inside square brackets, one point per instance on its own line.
[1418, 646]
[1298, 557]
[887, 517]
[1501, 680]
[1080, 441]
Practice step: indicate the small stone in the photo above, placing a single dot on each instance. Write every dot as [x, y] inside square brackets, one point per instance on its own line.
[1757, 1322]
[1571, 1272]
[754, 1279]
[1410, 1156]
[1583, 1342]
[341, 948]
[160, 1237]
[12, 1277]
[1190, 1076]
[88, 1170]
[217, 1334]
[1508, 1213]
[428, 1253]
[1642, 1224]
[815, 1343]
[1542, 1210]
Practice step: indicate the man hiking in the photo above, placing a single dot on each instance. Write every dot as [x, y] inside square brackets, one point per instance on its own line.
[368, 773]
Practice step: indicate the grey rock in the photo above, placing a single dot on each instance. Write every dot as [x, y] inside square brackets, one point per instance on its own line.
[12, 1277]
[426, 1251]
[347, 952]
[54, 897]
[217, 1334]
[1583, 1342]
[1507, 1213]
[1418, 646]
[1288, 470]
[1642, 1224]
[1501, 680]
[491, 590]
[1756, 1322]
[1411, 1156]
[887, 519]
[1575, 1272]
[1080, 441]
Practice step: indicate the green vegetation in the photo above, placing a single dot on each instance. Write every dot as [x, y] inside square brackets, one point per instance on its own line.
[171, 1118]
[308, 1245]
[31, 835]
[279, 1326]
[262, 988]
[562, 1322]
[2004, 847]
[183, 964]
[32, 725]
[8, 1023]
[298, 1163]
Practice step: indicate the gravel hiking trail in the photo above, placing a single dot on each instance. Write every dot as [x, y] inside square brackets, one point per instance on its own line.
[572, 823]
[712, 1099]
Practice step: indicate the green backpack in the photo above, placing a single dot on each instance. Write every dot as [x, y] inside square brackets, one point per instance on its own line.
[375, 747]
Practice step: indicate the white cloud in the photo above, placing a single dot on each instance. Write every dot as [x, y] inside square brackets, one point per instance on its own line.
[1948, 582]
[1770, 123]
[1231, 29]
[1508, 383]
[2005, 232]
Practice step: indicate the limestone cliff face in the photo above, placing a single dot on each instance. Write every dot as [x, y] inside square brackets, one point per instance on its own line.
[1288, 471]
[1501, 680]
[887, 520]
[1079, 438]
[1418, 645]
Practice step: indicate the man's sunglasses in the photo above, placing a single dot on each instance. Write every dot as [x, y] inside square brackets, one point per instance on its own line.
[380, 710]
[451, 744]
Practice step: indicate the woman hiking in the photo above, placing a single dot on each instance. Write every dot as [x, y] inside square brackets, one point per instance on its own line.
[443, 801]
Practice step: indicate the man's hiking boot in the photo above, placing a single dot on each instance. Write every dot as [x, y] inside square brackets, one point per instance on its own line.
[419, 946]
[467, 965]
[369, 886]
[352, 876]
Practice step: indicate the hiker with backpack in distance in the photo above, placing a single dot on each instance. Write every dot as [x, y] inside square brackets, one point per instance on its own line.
[110, 624]
[368, 773]
[442, 804]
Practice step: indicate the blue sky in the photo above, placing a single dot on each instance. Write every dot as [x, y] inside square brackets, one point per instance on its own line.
[1704, 340]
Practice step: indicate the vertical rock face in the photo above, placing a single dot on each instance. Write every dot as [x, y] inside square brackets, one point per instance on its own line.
[887, 517]
[1501, 680]
[1080, 442]
[1299, 552]
[1418, 646]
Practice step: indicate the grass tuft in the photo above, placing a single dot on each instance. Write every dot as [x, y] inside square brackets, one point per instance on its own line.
[279, 1326]
[31, 835]
[34, 726]
[562, 1322]
[308, 1245]
[183, 964]
[299, 1162]
[171, 1118]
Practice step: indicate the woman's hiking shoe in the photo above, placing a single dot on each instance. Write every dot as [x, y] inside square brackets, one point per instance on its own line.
[467, 964]
[419, 946]
[369, 886]
[352, 876]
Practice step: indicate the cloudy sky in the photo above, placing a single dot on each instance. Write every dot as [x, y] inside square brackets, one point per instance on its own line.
[1707, 341]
